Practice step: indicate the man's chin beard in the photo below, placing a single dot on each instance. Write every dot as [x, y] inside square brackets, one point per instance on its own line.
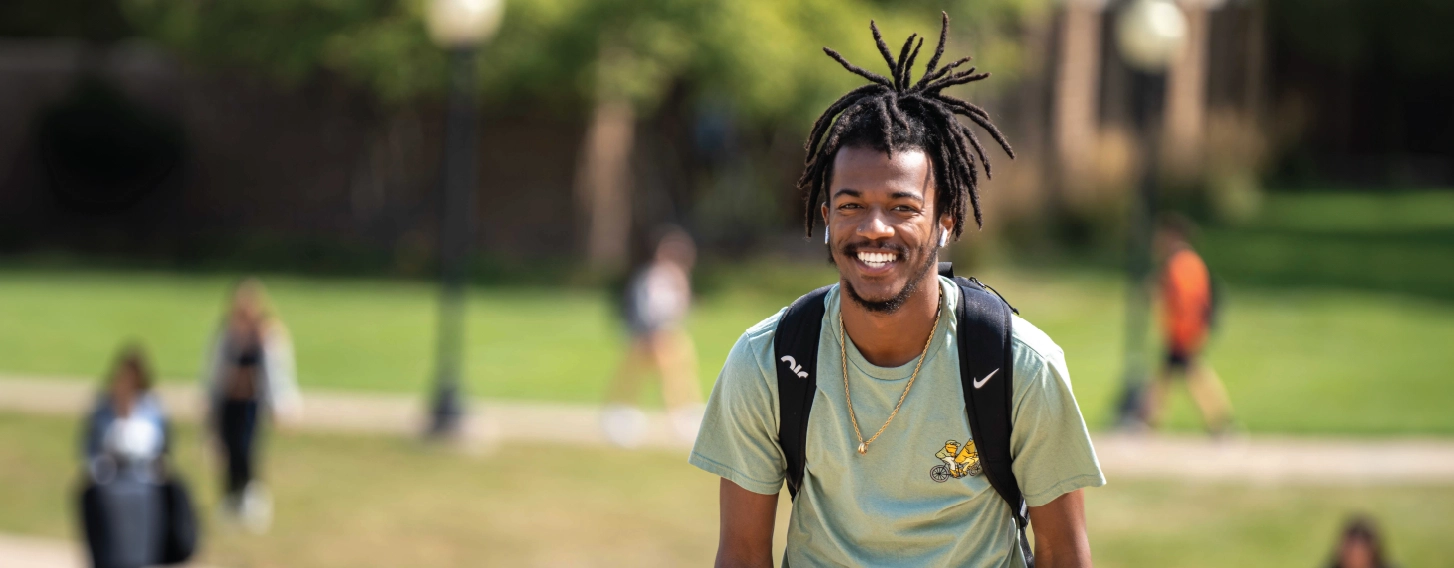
[891, 305]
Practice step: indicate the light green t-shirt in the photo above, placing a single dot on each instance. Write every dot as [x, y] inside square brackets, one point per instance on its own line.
[885, 508]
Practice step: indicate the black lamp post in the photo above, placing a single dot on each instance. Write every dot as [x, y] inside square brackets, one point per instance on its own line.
[459, 26]
[1150, 35]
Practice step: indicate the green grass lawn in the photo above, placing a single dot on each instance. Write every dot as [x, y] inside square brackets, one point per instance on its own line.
[362, 501]
[1309, 360]
[1339, 310]
[1389, 241]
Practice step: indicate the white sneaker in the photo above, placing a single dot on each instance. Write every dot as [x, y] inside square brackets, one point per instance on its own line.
[623, 425]
[687, 421]
[256, 508]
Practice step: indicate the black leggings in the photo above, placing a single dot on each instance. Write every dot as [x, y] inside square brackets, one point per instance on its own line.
[238, 425]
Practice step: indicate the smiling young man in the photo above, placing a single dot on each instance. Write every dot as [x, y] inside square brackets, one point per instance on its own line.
[889, 462]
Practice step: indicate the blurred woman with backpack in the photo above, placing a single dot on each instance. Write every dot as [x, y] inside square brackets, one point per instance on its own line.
[249, 376]
[134, 512]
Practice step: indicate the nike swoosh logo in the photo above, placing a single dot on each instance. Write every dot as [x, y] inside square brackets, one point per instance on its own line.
[980, 382]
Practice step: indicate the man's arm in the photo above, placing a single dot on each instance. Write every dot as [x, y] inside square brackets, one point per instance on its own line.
[1060, 540]
[747, 523]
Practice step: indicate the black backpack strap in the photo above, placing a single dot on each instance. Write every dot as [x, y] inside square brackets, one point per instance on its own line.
[795, 354]
[986, 370]
[946, 269]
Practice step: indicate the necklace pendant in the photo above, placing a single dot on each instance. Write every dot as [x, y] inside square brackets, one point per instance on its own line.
[862, 448]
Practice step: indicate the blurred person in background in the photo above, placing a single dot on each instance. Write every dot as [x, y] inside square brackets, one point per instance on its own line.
[657, 299]
[1359, 546]
[128, 496]
[893, 173]
[249, 376]
[1188, 313]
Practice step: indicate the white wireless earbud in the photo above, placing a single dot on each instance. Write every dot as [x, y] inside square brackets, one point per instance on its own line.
[825, 235]
[943, 238]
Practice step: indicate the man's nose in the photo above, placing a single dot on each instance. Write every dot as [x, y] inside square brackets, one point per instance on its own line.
[875, 227]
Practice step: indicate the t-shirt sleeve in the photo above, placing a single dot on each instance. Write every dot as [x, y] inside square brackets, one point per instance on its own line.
[738, 438]
[1049, 443]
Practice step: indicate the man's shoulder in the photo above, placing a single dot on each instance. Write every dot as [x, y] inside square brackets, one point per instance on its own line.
[1031, 346]
[1185, 260]
[754, 348]
[763, 331]
[755, 345]
[1027, 341]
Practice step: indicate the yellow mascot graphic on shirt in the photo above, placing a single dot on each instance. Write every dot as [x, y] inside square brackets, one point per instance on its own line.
[959, 461]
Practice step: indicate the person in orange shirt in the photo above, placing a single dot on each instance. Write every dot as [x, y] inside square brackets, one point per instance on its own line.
[1186, 318]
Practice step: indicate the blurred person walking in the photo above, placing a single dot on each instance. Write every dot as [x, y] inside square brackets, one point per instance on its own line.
[1188, 313]
[249, 376]
[1359, 546]
[947, 471]
[134, 512]
[656, 303]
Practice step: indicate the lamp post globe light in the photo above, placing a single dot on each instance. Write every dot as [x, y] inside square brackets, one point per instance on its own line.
[1150, 35]
[460, 26]
[463, 23]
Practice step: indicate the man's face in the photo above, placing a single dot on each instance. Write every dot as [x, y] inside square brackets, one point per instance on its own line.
[883, 233]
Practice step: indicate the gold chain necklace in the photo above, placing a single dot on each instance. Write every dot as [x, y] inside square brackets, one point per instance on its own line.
[843, 356]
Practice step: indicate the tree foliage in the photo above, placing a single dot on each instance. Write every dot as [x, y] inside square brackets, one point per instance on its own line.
[764, 56]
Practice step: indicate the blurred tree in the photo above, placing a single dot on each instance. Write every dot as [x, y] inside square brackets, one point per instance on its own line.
[94, 20]
[610, 60]
[764, 55]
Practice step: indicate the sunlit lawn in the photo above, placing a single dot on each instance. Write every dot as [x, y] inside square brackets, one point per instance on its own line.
[1295, 360]
[360, 501]
[1383, 240]
[1339, 314]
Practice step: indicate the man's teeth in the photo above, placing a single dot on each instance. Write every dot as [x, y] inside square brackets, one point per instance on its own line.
[876, 259]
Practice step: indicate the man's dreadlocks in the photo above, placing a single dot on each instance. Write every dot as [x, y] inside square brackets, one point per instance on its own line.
[891, 113]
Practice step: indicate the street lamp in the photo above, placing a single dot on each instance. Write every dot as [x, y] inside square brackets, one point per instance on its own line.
[1150, 34]
[460, 26]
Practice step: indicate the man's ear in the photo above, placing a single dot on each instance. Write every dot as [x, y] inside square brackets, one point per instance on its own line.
[823, 210]
[946, 223]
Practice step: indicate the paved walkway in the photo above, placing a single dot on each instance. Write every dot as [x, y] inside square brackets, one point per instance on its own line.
[1257, 459]
[35, 552]
[490, 421]
[31, 552]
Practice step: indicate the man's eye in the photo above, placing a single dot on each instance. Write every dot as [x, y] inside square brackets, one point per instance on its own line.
[849, 206]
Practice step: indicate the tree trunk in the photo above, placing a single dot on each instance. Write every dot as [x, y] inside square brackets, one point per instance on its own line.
[603, 180]
[1077, 93]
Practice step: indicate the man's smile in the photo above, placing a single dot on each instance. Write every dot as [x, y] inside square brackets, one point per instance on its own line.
[877, 262]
